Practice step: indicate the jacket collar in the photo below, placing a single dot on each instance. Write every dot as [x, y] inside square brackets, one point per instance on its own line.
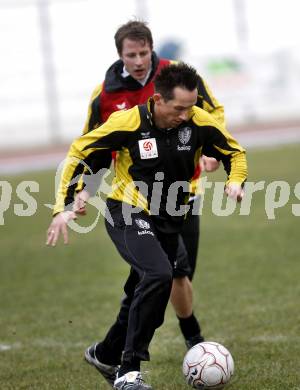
[150, 116]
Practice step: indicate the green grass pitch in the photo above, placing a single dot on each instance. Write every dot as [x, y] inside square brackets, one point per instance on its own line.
[54, 302]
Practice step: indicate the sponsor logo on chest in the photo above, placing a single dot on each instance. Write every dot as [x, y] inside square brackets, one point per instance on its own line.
[148, 148]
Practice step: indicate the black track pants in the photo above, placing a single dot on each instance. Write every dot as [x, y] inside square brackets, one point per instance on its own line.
[151, 256]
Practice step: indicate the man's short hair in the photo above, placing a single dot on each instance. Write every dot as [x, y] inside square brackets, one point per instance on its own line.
[134, 30]
[175, 75]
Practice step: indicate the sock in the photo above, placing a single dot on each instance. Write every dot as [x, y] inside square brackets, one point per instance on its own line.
[109, 350]
[134, 365]
[189, 326]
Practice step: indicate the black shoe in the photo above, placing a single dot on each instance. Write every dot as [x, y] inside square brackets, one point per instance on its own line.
[109, 372]
[131, 381]
[191, 341]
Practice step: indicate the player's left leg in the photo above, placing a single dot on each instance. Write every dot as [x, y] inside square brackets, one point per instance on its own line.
[182, 301]
[106, 355]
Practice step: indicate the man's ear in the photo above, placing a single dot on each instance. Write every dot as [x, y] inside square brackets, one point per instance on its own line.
[157, 98]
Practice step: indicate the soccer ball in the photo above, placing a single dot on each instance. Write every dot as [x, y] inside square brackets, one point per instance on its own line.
[208, 365]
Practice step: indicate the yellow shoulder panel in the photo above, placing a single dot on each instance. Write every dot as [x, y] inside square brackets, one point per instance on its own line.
[123, 120]
[203, 118]
[95, 93]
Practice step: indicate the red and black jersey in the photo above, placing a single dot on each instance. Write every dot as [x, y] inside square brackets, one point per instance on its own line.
[121, 93]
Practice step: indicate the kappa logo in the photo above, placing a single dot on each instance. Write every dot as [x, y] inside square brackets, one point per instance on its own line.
[184, 135]
[121, 106]
[142, 224]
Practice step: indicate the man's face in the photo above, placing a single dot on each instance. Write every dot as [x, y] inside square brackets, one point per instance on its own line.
[172, 113]
[136, 56]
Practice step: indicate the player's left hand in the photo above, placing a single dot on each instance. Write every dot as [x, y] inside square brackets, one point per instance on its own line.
[80, 200]
[234, 191]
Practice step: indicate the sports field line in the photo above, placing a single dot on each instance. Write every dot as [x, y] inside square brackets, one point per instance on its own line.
[51, 343]
[275, 338]
[44, 343]
[8, 347]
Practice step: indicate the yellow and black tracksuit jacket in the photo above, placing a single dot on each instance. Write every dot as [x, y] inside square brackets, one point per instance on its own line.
[116, 93]
[143, 150]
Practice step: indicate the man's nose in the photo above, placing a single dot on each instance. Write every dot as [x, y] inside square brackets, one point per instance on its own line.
[138, 60]
[184, 115]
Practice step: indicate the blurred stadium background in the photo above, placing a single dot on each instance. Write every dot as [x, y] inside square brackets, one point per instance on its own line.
[55, 51]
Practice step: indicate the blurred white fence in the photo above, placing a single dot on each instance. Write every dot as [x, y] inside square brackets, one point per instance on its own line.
[46, 80]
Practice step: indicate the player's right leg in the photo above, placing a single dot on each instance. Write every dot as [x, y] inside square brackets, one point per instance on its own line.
[109, 372]
[149, 293]
[106, 355]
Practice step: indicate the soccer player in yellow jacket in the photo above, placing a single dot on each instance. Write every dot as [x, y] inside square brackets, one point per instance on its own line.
[159, 142]
[130, 81]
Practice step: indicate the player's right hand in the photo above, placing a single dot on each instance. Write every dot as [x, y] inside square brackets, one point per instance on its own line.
[209, 164]
[59, 226]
